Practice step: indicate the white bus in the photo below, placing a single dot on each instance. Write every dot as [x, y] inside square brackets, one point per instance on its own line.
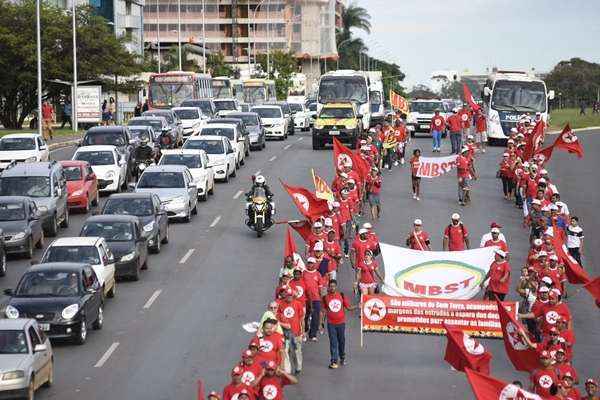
[509, 94]
[346, 85]
[259, 91]
[222, 88]
[238, 89]
[376, 97]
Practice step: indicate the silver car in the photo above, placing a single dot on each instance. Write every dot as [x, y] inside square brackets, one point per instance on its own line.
[174, 186]
[26, 359]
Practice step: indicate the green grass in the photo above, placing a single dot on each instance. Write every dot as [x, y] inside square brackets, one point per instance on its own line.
[559, 118]
[57, 132]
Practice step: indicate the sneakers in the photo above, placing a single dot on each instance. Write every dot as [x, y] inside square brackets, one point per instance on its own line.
[333, 365]
[402, 161]
[395, 163]
[417, 198]
[414, 196]
[343, 361]
[314, 339]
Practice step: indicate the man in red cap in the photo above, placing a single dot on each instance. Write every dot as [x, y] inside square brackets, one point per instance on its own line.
[251, 370]
[563, 367]
[488, 236]
[543, 378]
[291, 317]
[231, 391]
[272, 382]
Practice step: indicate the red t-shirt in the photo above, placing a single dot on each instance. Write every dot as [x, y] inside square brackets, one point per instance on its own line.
[542, 380]
[456, 237]
[335, 305]
[374, 184]
[462, 167]
[332, 250]
[499, 270]
[231, 391]
[480, 124]
[415, 164]
[401, 135]
[271, 387]
[499, 243]
[437, 123]
[465, 118]
[367, 271]
[454, 123]
[345, 214]
[47, 111]
[360, 247]
[548, 314]
[250, 372]
[313, 281]
[298, 286]
[269, 347]
[562, 369]
[291, 313]
[423, 239]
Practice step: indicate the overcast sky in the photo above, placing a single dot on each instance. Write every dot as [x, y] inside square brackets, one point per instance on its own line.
[427, 35]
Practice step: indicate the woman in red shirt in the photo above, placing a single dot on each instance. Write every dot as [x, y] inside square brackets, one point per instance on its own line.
[499, 276]
[415, 163]
[366, 272]
[505, 173]
[373, 190]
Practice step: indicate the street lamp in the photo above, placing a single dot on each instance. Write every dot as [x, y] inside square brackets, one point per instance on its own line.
[254, 31]
[203, 37]
[158, 33]
[39, 64]
[179, 32]
[74, 93]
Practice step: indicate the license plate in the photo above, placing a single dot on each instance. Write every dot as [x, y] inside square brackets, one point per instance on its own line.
[334, 133]
[424, 126]
[44, 327]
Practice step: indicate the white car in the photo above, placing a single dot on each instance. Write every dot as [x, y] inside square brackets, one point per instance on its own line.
[273, 120]
[235, 137]
[22, 147]
[300, 116]
[89, 250]
[220, 153]
[198, 164]
[107, 163]
[191, 118]
[226, 106]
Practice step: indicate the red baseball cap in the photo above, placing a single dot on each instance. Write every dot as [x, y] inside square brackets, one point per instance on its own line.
[247, 354]
[590, 381]
[271, 365]
[493, 224]
[236, 371]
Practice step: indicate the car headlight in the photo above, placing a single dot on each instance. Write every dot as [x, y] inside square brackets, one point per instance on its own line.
[178, 201]
[78, 192]
[19, 236]
[43, 209]
[70, 311]
[149, 227]
[31, 159]
[128, 256]
[11, 312]
[8, 376]
[110, 174]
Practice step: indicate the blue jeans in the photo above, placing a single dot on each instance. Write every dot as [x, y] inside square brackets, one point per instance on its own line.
[455, 139]
[437, 139]
[337, 341]
[315, 314]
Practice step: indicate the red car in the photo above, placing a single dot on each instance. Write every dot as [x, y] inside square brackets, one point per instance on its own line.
[82, 185]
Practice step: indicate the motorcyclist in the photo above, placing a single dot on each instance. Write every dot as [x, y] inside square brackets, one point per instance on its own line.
[143, 153]
[259, 182]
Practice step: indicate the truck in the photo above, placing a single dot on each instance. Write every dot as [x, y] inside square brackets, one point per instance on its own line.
[420, 114]
[376, 97]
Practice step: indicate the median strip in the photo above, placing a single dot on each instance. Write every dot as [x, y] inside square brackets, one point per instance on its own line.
[106, 355]
[238, 194]
[152, 299]
[186, 256]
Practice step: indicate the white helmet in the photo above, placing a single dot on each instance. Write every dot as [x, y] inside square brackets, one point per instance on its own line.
[259, 179]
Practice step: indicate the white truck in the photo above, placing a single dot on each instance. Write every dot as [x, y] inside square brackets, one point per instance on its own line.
[420, 114]
[346, 85]
[376, 97]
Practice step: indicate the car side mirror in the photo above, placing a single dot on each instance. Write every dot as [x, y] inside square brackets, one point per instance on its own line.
[39, 348]
[111, 259]
[487, 91]
[43, 147]
[8, 292]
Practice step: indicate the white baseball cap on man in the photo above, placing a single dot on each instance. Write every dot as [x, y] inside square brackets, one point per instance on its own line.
[455, 216]
[418, 222]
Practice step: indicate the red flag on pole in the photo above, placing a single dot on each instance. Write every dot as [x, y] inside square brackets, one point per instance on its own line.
[520, 354]
[488, 388]
[469, 97]
[306, 202]
[342, 155]
[575, 272]
[200, 390]
[290, 246]
[302, 227]
[322, 189]
[593, 287]
[534, 140]
[462, 351]
[361, 166]
[569, 142]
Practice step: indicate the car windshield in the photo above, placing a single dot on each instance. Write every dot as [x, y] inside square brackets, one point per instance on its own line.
[249, 119]
[140, 133]
[268, 112]
[337, 113]
[170, 94]
[189, 160]
[295, 107]
[312, 106]
[111, 231]
[96, 157]
[49, 283]
[156, 124]
[254, 94]
[225, 105]
[375, 97]
[13, 342]
[187, 114]
[519, 96]
[14, 144]
[127, 206]
[214, 131]
[72, 173]
[204, 105]
[161, 180]
[30, 186]
[12, 212]
[209, 146]
[343, 88]
[425, 107]
[77, 254]
[104, 138]
[166, 114]
[221, 88]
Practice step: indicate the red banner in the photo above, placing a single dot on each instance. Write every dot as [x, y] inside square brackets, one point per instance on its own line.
[394, 314]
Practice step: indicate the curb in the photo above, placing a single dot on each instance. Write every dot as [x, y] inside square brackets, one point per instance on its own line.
[60, 145]
[590, 128]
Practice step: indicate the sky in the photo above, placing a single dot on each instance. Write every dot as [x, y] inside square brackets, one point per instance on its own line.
[423, 36]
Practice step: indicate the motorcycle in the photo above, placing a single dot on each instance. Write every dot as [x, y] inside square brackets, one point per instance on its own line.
[140, 166]
[259, 212]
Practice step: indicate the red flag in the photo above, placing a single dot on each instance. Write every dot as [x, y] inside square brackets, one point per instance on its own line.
[520, 354]
[307, 203]
[469, 98]
[342, 155]
[489, 388]
[569, 142]
[462, 351]
[575, 272]
[546, 152]
[534, 140]
[200, 390]
[361, 166]
[322, 189]
[302, 227]
[594, 288]
[290, 246]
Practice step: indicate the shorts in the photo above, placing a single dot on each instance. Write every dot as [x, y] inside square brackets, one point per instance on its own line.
[481, 137]
[464, 183]
[367, 286]
[105, 116]
[374, 199]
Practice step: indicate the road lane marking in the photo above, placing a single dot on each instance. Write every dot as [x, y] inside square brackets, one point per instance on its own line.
[300, 139]
[215, 221]
[257, 172]
[152, 299]
[238, 194]
[273, 158]
[186, 256]
[287, 147]
[106, 355]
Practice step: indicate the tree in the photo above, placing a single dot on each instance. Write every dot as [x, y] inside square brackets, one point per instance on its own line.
[349, 47]
[216, 65]
[355, 17]
[452, 90]
[99, 54]
[421, 92]
[283, 65]
[576, 79]
[171, 62]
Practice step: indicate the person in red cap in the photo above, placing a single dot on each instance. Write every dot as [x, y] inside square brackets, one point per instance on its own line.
[488, 236]
[591, 390]
[272, 382]
[499, 276]
[231, 391]
[544, 378]
[572, 392]
[245, 395]
[251, 370]
[291, 317]
[548, 314]
[563, 367]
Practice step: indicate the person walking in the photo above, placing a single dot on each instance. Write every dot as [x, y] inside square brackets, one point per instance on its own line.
[112, 111]
[465, 119]
[575, 239]
[374, 190]
[66, 115]
[437, 126]
[415, 163]
[418, 239]
[455, 128]
[335, 304]
[105, 115]
[47, 119]
[463, 174]
[456, 235]
[499, 277]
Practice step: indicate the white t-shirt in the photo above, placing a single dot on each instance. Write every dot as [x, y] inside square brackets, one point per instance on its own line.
[574, 236]
[488, 236]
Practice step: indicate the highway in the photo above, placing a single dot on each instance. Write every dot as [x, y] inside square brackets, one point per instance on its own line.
[182, 321]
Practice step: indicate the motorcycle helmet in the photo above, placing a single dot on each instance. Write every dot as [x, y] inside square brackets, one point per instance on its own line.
[260, 180]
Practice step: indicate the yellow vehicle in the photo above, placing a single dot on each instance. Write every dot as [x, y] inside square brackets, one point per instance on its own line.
[337, 119]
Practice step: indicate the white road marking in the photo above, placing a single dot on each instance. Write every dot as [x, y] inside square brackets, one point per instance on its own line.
[215, 221]
[300, 139]
[287, 146]
[238, 194]
[273, 158]
[257, 172]
[152, 299]
[106, 355]
[186, 256]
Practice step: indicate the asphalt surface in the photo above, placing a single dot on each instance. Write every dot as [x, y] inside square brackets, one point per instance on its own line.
[182, 321]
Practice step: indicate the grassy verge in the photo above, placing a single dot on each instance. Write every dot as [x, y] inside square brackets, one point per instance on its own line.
[559, 118]
[66, 132]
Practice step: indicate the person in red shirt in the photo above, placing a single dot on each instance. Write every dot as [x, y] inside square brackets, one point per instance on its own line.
[271, 343]
[415, 163]
[480, 130]
[418, 239]
[366, 272]
[542, 379]
[372, 238]
[499, 275]
[455, 128]
[567, 336]
[333, 252]
[496, 241]
[236, 386]
[465, 120]
[339, 182]
[335, 304]
[272, 382]
[401, 138]
[567, 381]
[562, 366]
[464, 173]
[317, 234]
[437, 127]
[456, 235]
[591, 388]
[290, 315]
[359, 246]
[47, 118]
[313, 283]
[213, 396]
[548, 314]
[251, 370]
[373, 190]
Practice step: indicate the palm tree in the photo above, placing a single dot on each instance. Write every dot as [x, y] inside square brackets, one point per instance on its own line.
[349, 47]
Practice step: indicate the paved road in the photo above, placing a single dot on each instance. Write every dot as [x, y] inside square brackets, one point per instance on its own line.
[193, 328]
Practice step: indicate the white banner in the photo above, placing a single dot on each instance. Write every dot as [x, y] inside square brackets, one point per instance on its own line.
[435, 274]
[89, 107]
[432, 167]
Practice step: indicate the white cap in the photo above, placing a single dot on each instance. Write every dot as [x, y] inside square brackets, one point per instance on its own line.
[505, 155]
[367, 225]
[500, 252]
[362, 230]
[318, 246]
[470, 137]
[455, 216]
[464, 149]
[526, 164]
[553, 207]
[542, 180]
[547, 280]
[543, 172]
[311, 260]
[520, 135]
[543, 289]
[328, 222]
[495, 230]
[553, 257]
[344, 175]
[556, 290]
[418, 222]
[536, 201]
[351, 180]
[537, 242]
[542, 254]
[510, 141]
[363, 141]
[514, 130]
[318, 224]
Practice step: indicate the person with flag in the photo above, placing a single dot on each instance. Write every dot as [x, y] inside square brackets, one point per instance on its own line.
[480, 130]
[389, 146]
[437, 127]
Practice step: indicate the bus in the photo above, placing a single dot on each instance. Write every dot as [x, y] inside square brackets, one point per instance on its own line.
[507, 95]
[238, 89]
[258, 91]
[222, 88]
[376, 97]
[169, 89]
[346, 85]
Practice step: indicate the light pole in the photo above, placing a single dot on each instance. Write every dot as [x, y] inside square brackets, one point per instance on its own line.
[39, 64]
[249, 47]
[74, 91]
[268, 37]
[158, 33]
[254, 29]
[203, 37]
[179, 32]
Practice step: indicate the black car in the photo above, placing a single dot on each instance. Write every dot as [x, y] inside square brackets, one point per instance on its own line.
[65, 299]
[241, 125]
[116, 135]
[173, 121]
[252, 123]
[125, 238]
[206, 105]
[21, 225]
[147, 207]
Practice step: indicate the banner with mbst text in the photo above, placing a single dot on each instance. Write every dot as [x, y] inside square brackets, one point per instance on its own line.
[395, 314]
[435, 274]
[432, 167]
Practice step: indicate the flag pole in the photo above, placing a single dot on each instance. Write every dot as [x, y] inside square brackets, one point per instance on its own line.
[361, 322]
